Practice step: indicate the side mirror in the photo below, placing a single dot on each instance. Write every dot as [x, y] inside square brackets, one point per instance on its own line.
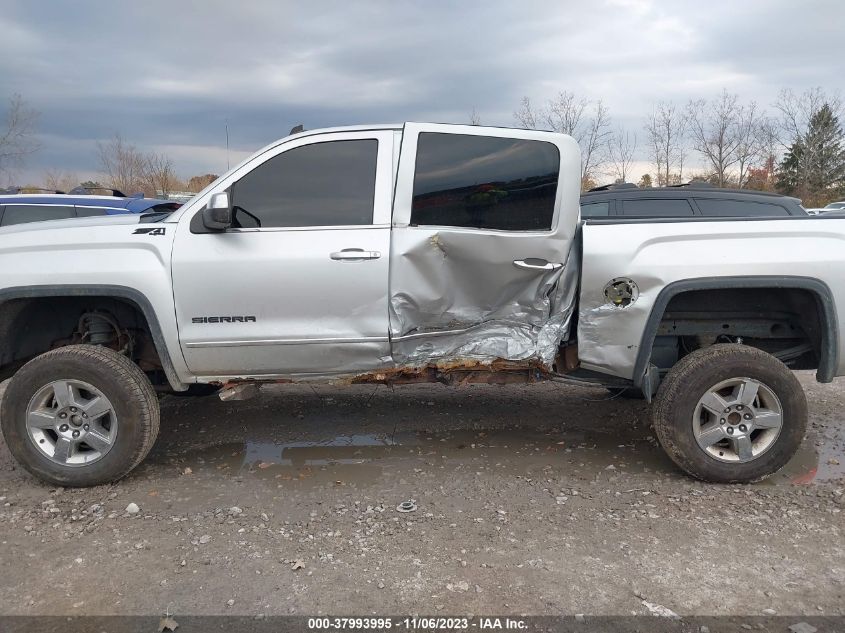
[217, 215]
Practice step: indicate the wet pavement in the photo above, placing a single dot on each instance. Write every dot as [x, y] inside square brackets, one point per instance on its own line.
[543, 498]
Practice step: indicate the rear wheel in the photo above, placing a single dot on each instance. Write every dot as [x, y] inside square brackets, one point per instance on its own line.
[730, 414]
[79, 416]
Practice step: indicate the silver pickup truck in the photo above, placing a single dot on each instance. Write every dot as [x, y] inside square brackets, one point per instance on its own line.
[404, 254]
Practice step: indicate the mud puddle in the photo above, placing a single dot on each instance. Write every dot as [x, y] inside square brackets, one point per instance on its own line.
[366, 459]
[818, 460]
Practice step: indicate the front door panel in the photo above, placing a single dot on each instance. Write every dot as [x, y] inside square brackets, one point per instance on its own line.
[262, 300]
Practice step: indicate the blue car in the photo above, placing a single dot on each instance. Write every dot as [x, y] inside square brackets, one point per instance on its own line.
[17, 208]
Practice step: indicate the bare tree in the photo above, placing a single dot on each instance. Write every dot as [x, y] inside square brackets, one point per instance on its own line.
[565, 113]
[725, 132]
[474, 117]
[17, 136]
[666, 129]
[594, 141]
[588, 122]
[525, 116]
[714, 129]
[128, 169]
[58, 180]
[622, 147]
[768, 154]
[159, 176]
[750, 139]
[122, 164]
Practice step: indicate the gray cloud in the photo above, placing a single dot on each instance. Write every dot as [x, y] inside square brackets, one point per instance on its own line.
[170, 74]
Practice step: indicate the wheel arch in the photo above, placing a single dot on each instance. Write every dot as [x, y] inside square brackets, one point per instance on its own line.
[825, 307]
[124, 293]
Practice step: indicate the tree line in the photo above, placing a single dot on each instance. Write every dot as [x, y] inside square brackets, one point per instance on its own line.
[123, 166]
[797, 147]
[126, 168]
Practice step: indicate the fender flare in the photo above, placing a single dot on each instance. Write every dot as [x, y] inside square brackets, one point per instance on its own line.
[829, 353]
[105, 290]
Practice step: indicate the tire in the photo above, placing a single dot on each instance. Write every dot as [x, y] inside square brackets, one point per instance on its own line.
[116, 436]
[726, 447]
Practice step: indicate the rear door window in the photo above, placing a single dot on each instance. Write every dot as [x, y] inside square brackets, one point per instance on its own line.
[85, 212]
[657, 208]
[714, 207]
[23, 213]
[595, 210]
[485, 182]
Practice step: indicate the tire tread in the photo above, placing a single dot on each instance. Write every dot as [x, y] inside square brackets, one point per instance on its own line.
[142, 397]
[675, 389]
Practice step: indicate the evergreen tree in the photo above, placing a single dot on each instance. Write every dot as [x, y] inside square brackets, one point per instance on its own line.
[814, 166]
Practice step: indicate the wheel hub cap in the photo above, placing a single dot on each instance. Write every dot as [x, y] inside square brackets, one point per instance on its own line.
[737, 420]
[71, 422]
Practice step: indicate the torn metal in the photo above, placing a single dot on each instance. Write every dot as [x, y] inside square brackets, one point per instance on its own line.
[456, 295]
[239, 391]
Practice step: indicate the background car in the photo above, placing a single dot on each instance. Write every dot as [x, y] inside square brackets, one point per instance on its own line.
[834, 206]
[690, 200]
[18, 208]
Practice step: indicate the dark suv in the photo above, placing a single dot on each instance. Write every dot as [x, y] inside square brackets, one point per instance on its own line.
[690, 200]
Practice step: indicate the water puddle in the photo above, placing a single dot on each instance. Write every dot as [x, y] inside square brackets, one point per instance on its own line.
[813, 463]
[364, 459]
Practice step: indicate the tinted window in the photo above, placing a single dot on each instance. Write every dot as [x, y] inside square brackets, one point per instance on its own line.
[84, 212]
[485, 182]
[22, 213]
[595, 210]
[657, 208]
[324, 184]
[738, 208]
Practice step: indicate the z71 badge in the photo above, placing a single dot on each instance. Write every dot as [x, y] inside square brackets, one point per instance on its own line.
[149, 231]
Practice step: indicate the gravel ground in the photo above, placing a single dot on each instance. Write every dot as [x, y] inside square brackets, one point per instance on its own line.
[544, 499]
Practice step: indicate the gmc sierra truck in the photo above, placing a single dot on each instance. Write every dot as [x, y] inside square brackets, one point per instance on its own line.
[404, 254]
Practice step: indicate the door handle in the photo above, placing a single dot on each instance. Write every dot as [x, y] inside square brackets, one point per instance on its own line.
[532, 263]
[354, 254]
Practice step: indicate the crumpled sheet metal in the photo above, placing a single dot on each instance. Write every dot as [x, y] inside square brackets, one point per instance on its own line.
[452, 298]
[598, 327]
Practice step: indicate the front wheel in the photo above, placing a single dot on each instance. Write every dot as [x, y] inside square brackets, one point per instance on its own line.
[730, 414]
[79, 416]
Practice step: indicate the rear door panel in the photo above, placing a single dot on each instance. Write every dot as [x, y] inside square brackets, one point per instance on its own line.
[455, 291]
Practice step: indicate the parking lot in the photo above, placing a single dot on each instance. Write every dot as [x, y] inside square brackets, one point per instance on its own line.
[545, 499]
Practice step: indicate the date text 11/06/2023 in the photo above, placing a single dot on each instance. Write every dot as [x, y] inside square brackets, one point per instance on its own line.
[415, 623]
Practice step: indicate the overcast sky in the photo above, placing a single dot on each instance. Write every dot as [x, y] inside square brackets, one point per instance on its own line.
[167, 75]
